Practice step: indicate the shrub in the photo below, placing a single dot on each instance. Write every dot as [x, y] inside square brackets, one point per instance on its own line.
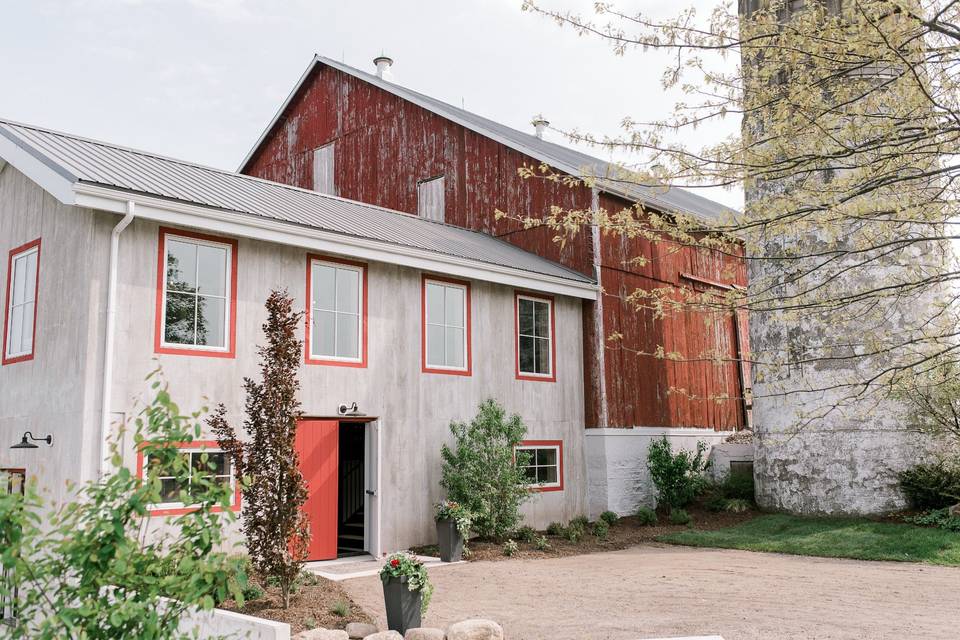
[274, 527]
[310, 622]
[573, 532]
[738, 485]
[609, 517]
[510, 547]
[481, 472]
[646, 516]
[677, 476]
[933, 485]
[737, 505]
[580, 521]
[940, 518]
[555, 529]
[680, 516]
[526, 534]
[252, 592]
[601, 529]
[541, 544]
[340, 608]
[715, 501]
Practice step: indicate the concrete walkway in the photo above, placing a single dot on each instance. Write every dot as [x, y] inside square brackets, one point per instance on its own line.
[661, 591]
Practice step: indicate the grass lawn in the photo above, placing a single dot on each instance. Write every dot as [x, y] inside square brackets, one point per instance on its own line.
[831, 538]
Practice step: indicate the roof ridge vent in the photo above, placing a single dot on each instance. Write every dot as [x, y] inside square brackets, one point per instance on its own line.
[383, 64]
[540, 125]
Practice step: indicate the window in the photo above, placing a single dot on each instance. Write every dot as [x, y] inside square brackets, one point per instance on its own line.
[445, 336]
[430, 203]
[204, 458]
[535, 346]
[544, 465]
[20, 318]
[323, 166]
[337, 313]
[196, 294]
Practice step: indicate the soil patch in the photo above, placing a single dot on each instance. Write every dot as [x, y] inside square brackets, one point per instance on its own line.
[311, 607]
[626, 532]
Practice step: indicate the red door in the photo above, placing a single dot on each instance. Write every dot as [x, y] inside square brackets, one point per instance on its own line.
[318, 447]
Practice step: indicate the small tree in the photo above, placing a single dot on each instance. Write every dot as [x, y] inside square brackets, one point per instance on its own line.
[86, 568]
[678, 476]
[275, 527]
[482, 473]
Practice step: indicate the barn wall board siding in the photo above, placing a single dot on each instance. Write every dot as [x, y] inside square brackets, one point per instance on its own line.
[384, 145]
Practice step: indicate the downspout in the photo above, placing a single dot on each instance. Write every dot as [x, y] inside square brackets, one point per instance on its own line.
[108, 337]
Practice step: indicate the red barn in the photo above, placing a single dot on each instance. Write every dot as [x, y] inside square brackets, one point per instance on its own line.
[357, 135]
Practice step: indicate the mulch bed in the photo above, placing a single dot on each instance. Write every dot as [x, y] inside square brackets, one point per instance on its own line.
[309, 608]
[627, 532]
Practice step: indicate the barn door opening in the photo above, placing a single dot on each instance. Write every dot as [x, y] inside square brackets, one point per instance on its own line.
[352, 489]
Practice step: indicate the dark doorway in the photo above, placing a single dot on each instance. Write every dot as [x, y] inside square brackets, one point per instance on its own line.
[350, 538]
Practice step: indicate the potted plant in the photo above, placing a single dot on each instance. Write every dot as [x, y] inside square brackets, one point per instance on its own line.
[406, 591]
[453, 525]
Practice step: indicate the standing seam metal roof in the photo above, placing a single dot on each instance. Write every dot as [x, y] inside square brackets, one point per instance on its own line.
[610, 176]
[100, 163]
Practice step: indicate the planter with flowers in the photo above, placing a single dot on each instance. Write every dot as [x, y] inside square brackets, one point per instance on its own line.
[453, 527]
[406, 591]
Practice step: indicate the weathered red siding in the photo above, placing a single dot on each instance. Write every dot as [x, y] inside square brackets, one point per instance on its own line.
[384, 145]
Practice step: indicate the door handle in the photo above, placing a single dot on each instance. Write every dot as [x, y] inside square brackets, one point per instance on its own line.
[371, 492]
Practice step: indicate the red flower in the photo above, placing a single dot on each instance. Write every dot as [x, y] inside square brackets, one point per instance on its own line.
[394, 563]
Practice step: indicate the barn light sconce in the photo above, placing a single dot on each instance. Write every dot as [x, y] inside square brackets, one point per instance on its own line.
[349, 410]
[25, 442]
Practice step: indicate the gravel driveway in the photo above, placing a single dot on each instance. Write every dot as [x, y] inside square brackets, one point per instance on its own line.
[655, 591]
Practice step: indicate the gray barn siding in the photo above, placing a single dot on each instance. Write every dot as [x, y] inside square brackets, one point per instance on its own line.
[415, 408]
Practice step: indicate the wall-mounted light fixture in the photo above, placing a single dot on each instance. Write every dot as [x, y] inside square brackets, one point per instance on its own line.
[349, 410]
[25, 442]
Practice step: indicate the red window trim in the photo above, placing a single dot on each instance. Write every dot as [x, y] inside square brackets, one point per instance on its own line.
[307, 359]
[214, 446]
[516, 336]
[4, 360]
[547, 443]
[158, 347]
[423, 327]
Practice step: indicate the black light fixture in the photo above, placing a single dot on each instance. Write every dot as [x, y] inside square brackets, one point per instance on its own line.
[26, 444]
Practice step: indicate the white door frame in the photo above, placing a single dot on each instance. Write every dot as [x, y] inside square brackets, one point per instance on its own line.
[372, 488]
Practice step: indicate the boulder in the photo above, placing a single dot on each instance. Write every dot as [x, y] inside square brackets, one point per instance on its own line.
[955, 510]
[424, 633]
[385, 635]
[477, 629]
[359, 630]
[321, 634]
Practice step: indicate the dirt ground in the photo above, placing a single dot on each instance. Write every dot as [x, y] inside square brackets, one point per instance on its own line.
[653, 591]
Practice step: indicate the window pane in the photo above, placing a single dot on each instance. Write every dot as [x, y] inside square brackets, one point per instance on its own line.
[324, 287]
[322, 341]
[434, 303]
[531, 474]
[211, 321]
[541, 319]
[26, 339]
[543, 355]
[526, 355]
[19, 281]
[15, 337]
[347, 331]
[548, 475]
[454, 306]
[435, 340]
[454, 347]
[169, 490]
[348, 290]
[546, 457]
[180, 314]
[526, 317]
[212, 273]
[213, 463]
[30, 288]
[181, 266]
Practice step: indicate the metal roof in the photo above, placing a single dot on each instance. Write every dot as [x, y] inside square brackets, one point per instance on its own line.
[611, 178]
[97, 163]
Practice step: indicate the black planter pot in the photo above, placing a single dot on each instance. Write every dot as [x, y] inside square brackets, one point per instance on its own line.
[449, 540]
[403, 605]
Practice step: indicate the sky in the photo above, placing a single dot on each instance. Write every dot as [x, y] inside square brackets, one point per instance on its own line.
[200, 79]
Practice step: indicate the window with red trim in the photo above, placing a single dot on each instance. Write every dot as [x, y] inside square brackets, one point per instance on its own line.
[337, 312]
[543, 466]
[20, 314]
[196, 294]
[535, 338]
[203, 458]
[446, 327]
